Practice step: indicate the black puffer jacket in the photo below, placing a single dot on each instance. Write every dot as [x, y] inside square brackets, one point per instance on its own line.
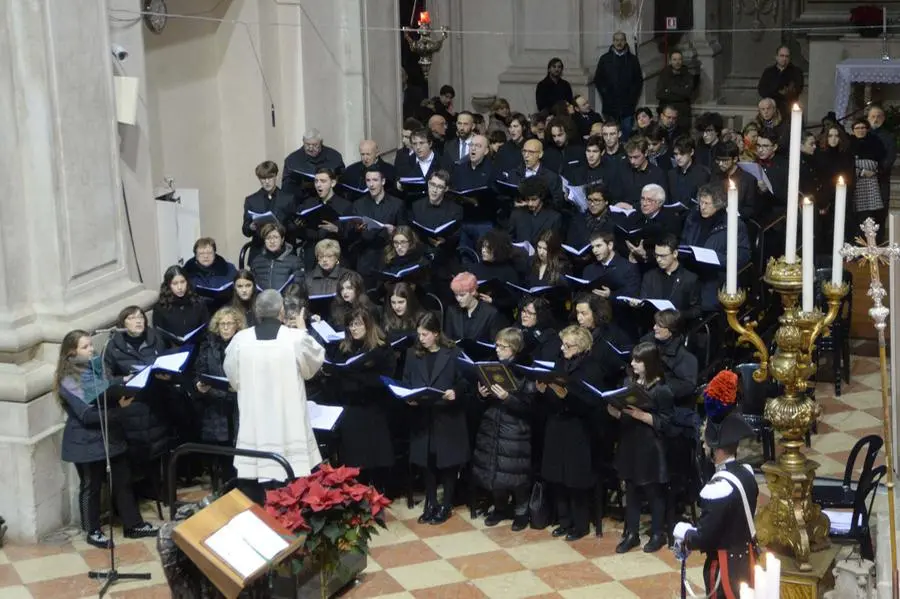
[272, 270]
[502, 457]
[180, 317]
[218, 408]
[82, 440]
[146, 421]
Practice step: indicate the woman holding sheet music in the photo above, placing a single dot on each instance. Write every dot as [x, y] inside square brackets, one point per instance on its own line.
[146, 424]
[217, 405]
[404, 252]
[439, 438]
[80, 387]
[640, 455]
[277, 265]
[365, 434]
[567, 462]
[180, 313]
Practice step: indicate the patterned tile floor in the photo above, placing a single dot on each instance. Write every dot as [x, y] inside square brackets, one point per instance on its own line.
[462, 558]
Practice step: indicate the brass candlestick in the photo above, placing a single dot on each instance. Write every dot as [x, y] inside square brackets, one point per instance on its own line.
[790, 523]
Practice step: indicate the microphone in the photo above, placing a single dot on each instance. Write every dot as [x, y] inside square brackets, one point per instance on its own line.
[110, 330]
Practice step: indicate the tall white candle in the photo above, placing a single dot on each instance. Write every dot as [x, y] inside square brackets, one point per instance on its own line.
[732, 246]
[840, 216]
[773, 574]
[759, 582]
[793, 190]
[809, 255]
[746, 592]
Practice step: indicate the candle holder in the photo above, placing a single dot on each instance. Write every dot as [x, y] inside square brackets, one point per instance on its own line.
[790, 522]
[427, 42]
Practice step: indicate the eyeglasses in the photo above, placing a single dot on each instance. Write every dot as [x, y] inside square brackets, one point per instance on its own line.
[400, 242]
[503, 346]
[566, 345]
[438, 186]
[273, 237]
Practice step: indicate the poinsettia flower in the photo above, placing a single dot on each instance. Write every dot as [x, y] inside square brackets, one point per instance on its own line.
[338, 476]
[293, 520]
[281, 497]
[377, 502]
[356, 492]
[319, 498]
[298, 486]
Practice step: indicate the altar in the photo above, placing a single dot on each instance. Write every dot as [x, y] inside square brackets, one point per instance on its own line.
[861, 70]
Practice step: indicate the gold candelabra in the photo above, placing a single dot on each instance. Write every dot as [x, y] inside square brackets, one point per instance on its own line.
[427, 42]
[790, 522]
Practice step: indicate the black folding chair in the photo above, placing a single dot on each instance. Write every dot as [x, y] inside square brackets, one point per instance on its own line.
[841, 493]
[860, 531]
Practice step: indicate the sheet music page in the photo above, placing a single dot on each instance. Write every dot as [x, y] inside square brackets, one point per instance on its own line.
[229, 545]
[139, 381]
[323, 418]
[706, 255]
[173, 362]
[258, 535]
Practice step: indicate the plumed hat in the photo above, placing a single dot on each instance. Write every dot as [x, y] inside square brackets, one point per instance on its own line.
[724, 424]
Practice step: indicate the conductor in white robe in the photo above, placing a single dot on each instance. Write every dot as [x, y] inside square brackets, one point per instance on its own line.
[268, 365]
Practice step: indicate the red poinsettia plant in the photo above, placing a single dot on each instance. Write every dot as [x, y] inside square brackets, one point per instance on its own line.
[866, 16]
[337, 513]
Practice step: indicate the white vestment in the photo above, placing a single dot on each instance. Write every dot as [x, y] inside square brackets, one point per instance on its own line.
[269, 378]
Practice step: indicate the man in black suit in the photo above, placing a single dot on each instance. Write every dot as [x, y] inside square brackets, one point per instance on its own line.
[473, 179]
[413, 174]
[353, 179]
[404, 153]
[671, 281]
[529, 222]
[532, 152]
[726, 155]
[384, 208]
[618, 276]
[300, 165]
[687, 176]
[314, 228]
[268, 198]
[652, 221]
[584, 116]
[457, 149]
[775, 166]
[627, 184]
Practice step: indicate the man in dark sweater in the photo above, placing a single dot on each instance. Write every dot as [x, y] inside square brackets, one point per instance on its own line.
[529, 222]
[301, 165]
[553, 88]
[626, 185]
[353, 179]
[687, 176]
[619, 80]
[783, 81]
[671, 280]
[675, 87]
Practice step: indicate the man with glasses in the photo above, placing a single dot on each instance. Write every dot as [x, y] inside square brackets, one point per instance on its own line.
[670, 280]
[432, 212]
[208, 271]
[301, 165]
[650, 223]
[532, 152]
[726, 170]
[776, 168]
[597, 218]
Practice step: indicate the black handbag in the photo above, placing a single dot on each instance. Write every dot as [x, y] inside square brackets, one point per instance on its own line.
[539, 507]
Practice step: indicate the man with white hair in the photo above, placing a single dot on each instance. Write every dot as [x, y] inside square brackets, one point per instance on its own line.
[650, 223]
[301, 165]
[267, 364]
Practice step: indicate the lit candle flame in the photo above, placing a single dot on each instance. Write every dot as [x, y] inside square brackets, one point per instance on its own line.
[796, 107]
[807, 200]
[731, 184]
[841, 180]
[424, 18]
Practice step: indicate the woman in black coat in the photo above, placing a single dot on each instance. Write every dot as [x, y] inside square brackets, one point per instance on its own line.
[277, 264]
[567, 462]
[404, 251]
[146, 424]
[351, 294]
[833, 160]
[502, 262]
[501, 461]
[640, 455]
[679, 365]
[439, 438]
[80, 386]
[180, 313]
[218, 407]
[364, 429]
[536, 324]
[549, 265]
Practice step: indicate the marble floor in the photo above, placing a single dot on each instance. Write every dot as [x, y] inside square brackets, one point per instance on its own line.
[462, 558]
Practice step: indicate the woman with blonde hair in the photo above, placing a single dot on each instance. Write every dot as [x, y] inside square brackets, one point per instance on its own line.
[81, 388]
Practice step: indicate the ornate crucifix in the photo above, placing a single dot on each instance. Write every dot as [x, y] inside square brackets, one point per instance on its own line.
[869, 251]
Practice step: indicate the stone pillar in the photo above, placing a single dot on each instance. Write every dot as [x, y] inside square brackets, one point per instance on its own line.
[542, 30]
[758, 33]
[708, 48]
[63, 248]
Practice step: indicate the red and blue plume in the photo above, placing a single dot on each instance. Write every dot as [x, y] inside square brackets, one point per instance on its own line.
[720, 395]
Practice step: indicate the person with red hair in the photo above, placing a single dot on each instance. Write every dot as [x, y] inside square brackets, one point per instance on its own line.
[471, 318]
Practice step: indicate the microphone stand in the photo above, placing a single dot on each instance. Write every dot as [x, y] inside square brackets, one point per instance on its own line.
[112, 575]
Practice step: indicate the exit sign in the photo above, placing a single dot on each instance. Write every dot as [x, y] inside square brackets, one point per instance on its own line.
[671, 23]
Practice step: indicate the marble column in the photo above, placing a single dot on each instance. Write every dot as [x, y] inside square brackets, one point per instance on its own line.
[757, 25]
[542, 30]
[63, 249]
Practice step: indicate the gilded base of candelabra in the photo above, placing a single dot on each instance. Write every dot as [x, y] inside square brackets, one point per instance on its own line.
[790, 523]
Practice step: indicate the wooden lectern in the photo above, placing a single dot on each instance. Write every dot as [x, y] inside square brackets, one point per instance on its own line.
[234, 541]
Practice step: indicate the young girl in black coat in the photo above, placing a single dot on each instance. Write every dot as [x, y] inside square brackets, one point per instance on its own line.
[501, 462]
[244, 294]
[351, 294]
[439, 439]
[179, 311]
[365, 435]
[80, 386]
[640, 455]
